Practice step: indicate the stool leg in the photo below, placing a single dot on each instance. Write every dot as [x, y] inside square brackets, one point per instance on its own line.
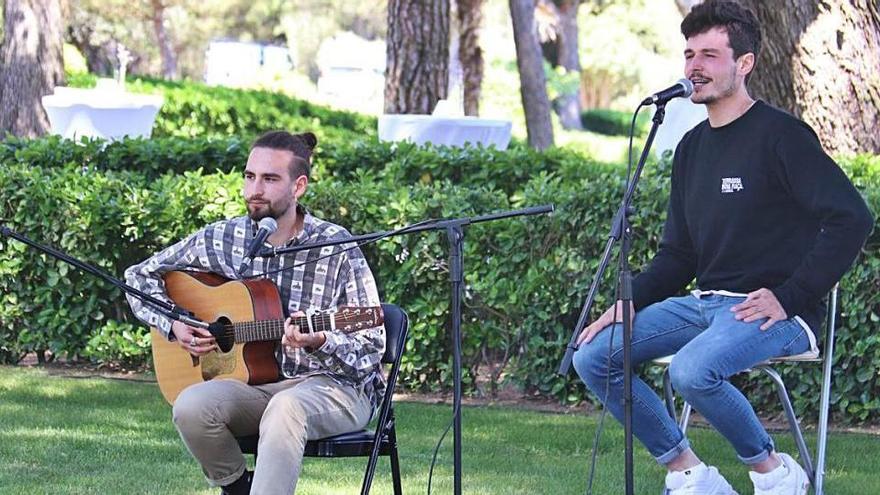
[825, 398]
[685, 418]
[669, 395]
[793, 424]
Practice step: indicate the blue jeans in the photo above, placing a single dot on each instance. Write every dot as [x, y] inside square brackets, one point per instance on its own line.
[710, 346]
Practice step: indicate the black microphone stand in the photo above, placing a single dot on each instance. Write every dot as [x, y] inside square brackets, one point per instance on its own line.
[455, 236]
[620, 232]
[170, 310]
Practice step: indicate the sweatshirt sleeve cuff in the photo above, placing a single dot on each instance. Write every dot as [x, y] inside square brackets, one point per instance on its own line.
[163, 324]
[332, 340]
[790, 302]
[638, 291]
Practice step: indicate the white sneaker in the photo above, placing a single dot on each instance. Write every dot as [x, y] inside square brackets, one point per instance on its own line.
[698, 480]
[788, 479]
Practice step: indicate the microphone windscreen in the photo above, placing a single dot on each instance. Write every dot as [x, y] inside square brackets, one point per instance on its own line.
[688, 87]
[269, 224]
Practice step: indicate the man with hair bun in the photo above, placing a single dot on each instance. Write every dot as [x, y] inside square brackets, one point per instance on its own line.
[332, 382]
[766, 223]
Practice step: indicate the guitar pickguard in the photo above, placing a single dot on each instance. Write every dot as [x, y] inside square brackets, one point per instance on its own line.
[217, 363]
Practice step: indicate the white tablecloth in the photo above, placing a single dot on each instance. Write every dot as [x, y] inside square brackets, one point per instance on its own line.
[74, 113]
[450, 131]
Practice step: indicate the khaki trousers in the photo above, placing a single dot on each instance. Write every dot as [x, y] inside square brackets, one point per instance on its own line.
[286, 414]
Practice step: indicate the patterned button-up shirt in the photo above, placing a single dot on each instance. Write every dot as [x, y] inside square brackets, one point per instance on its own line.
[341, 279]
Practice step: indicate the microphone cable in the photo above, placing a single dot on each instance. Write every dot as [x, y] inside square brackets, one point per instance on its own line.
[437, 447]
[594, 456]
[600, 428]
[358, 245]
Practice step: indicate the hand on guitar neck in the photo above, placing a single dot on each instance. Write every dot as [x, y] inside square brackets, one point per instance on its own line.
[194, 340]
[295, 338]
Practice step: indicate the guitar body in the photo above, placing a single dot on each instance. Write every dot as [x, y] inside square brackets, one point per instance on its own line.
[211, 298]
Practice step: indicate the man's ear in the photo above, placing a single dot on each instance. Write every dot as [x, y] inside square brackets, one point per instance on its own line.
[299, 186]
[745, 64]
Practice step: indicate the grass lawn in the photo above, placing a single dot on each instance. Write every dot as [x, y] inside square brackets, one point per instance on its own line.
[64, 435]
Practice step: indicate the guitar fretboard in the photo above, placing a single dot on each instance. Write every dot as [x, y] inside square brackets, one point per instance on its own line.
[257, 331]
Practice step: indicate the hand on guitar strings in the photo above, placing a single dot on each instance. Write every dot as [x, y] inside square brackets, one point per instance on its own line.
[295, 338]
[196, 341]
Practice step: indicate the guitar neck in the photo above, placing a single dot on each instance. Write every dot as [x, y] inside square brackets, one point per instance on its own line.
[257, 331]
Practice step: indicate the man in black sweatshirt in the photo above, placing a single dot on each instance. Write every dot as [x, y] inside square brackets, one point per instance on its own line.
[767, 223]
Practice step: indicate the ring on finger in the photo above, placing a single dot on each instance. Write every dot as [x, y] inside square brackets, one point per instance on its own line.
[194, 341]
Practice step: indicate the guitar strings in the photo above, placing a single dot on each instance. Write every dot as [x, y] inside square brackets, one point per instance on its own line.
[321, 322]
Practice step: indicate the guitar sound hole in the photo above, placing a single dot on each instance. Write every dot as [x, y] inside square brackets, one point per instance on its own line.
[226, 339]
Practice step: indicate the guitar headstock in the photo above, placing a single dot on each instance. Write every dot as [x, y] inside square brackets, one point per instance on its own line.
[354, 318]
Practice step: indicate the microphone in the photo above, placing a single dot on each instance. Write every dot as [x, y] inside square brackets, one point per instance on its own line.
[684, 88]
[268, 226]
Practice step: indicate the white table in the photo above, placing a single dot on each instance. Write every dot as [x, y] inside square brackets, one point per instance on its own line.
[450, 131]
[107, 114]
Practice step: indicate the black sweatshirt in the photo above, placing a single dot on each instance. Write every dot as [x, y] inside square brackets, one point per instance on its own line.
[757, 204]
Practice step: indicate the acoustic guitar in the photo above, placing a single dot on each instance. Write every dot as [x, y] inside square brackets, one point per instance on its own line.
[247, 322]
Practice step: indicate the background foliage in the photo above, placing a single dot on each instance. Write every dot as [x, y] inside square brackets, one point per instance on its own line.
[114, 204]
[198, 110]
[615, 122]
[625, 50]
[98, 25]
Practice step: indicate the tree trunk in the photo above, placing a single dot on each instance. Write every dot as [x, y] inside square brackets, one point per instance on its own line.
[99, 59]
[417, 72]
[533, 84]
[685, 6]
[32, 64]
[568, 105]
[568, 35]
[80, 33]
[470, 54]
[820, 62]
[169, 58]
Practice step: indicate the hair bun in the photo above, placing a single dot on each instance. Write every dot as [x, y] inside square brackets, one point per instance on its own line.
[309, 138]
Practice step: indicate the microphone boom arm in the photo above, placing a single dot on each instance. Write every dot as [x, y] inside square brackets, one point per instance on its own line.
[170, 310]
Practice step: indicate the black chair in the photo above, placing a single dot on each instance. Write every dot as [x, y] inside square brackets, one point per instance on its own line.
[363, 443]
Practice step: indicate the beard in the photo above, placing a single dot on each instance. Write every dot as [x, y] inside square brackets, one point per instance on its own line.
[257, 212]
[722, 92]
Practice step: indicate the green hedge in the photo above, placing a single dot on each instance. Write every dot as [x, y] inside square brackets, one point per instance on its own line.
[615, 122]
[152, 158]
[525, 278]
